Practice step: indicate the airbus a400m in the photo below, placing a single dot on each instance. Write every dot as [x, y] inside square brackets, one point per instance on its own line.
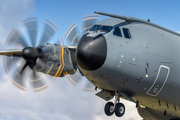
[124, 57]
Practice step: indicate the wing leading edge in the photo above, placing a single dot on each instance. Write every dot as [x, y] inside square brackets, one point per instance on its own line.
[14, 53]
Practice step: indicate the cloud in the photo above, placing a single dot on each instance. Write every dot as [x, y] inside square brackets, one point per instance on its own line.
[61, 101]
[12, 12]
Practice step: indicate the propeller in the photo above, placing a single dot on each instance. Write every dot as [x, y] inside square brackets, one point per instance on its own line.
[72, 37]
[29, 55]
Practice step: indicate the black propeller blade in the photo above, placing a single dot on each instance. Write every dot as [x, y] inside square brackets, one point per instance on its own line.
[37, 82]
[18, 78]
[48, 32]
[9, 62]
[89, 21]
[31, 26]
[15, 38]
[72, 36]
[29, 54]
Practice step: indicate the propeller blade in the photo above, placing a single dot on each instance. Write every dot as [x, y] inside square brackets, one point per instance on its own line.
[16, 38]
[30, 54]
[89, 86]
[37, 83]
[74, 79]
[72, 34]
[9, 62]
[49, 30]
[60, 41]
[89, 21]
[18, 80]
[40, 65]
[31, 26]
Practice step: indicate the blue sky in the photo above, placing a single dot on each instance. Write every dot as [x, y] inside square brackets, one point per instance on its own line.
[64, 13]
[62, 101]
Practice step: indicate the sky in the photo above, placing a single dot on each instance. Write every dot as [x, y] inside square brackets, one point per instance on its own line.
[63, 101]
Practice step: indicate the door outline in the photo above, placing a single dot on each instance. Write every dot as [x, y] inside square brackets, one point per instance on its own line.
[157, 79]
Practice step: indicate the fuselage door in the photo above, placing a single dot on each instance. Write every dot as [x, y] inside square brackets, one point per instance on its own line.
[160, 81]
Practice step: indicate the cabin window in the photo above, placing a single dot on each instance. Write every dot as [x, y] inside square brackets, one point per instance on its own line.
[105, 28]
[126, 33]
[117, 32]
[95, 28]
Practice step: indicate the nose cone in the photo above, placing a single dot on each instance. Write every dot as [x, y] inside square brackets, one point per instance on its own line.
[91, 52]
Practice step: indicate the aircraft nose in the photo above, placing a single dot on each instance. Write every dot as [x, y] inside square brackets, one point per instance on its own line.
[91, 52]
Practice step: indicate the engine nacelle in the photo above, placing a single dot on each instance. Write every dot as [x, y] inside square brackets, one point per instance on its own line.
[56, 60]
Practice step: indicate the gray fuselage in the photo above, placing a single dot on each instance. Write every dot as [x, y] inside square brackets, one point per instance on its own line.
[145, 67]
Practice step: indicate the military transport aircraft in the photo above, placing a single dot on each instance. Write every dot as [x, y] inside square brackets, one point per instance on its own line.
[122, 56]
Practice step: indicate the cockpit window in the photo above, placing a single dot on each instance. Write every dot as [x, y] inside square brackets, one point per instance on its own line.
[95, 28]
[126, 33]
[105, 28]
[117, 32]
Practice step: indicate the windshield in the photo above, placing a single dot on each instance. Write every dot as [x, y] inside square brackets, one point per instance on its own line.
[106, 29]
[95, 28]
[101, 28]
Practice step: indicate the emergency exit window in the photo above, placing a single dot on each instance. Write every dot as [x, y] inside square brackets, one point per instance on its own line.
[127, 33]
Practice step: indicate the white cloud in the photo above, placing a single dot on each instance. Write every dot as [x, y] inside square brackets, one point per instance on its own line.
[12, 12]
[61, 101]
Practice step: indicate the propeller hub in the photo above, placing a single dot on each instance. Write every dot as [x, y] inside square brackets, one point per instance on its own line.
[30, 54]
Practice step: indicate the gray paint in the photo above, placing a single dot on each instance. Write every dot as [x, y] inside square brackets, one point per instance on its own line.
[152, 50]
[150, 44]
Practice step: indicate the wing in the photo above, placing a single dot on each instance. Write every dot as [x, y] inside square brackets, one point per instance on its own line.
[14, 53]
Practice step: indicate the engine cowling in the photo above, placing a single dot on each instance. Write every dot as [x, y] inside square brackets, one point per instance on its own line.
[56, 60]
